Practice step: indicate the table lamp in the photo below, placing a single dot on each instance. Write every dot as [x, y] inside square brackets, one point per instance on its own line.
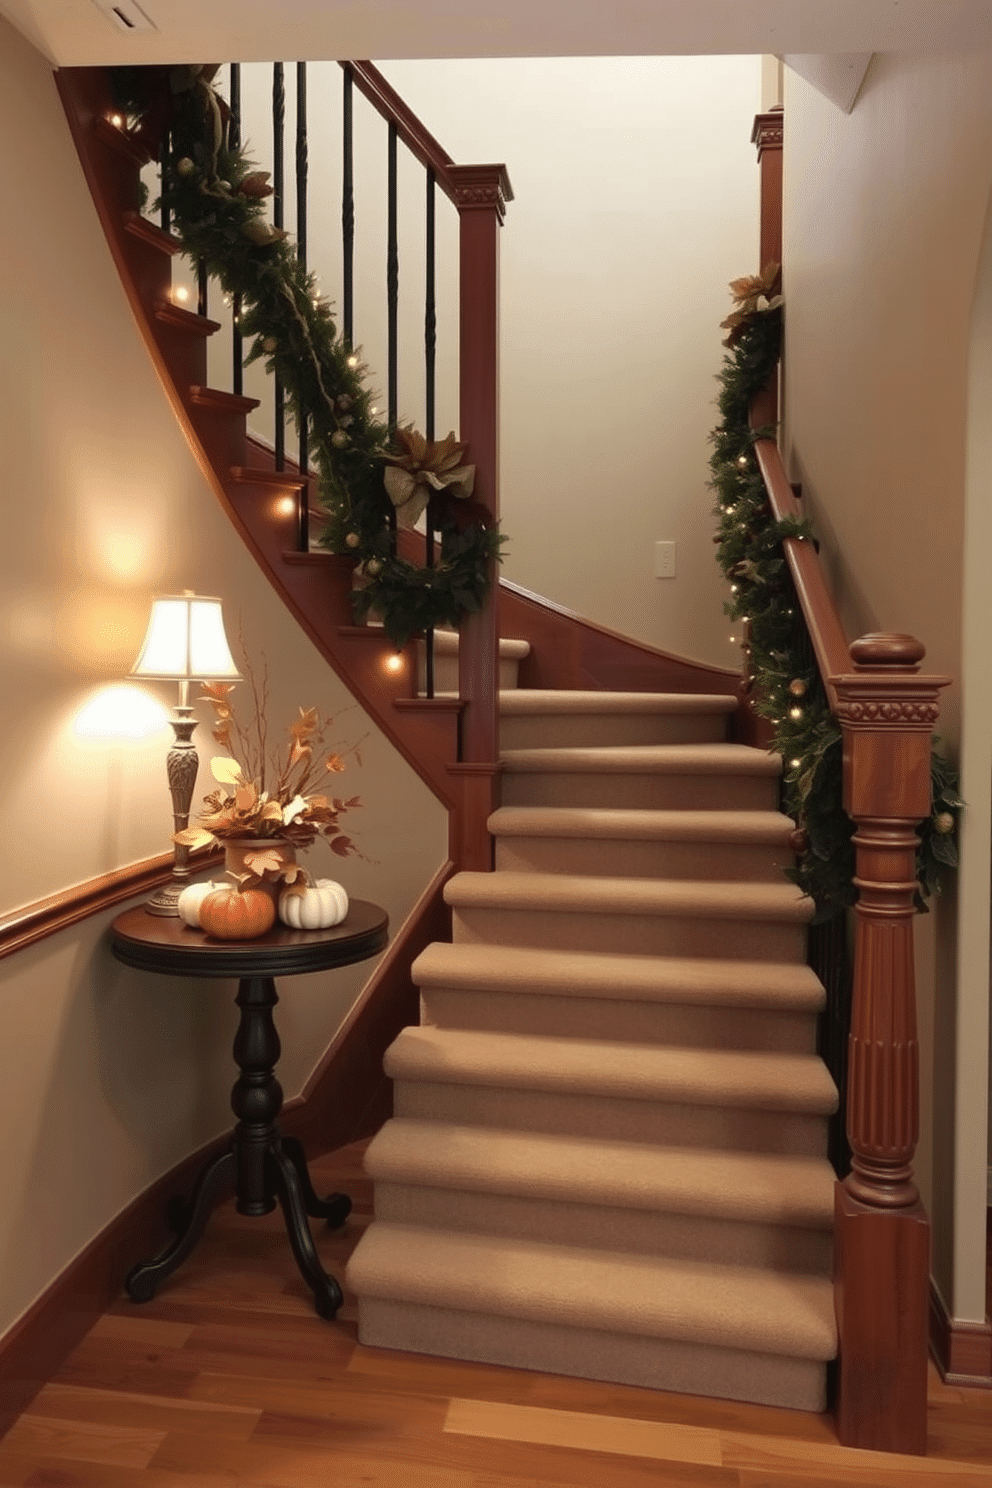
[185, 642]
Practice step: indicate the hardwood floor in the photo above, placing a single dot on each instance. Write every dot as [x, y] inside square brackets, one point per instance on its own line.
[228, 1377]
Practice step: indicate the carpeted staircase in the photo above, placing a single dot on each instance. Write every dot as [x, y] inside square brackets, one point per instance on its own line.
[607, 1157]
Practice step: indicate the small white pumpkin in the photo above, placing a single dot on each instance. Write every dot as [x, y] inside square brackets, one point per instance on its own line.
[317, 907]
[192, 897]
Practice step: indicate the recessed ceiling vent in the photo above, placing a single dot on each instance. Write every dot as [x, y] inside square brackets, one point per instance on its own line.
[125, 15]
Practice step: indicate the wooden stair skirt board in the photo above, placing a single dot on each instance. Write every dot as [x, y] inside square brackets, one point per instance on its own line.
[607, 1155]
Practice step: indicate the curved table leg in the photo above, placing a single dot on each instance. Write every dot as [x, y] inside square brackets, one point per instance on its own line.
[326, 1292]
[335, 1208]
[142, 1280]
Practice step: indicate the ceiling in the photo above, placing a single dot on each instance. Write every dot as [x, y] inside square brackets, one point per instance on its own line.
[84, 32]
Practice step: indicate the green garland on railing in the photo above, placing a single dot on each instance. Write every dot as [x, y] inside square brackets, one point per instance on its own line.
[215, 196]
[782, 678]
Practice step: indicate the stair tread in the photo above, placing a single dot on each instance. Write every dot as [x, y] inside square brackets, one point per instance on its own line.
[672, 759]
[730, 1185]
[573, 893]
[528, 700]
[770, 828]
[727, 982]
[724, 1306]
[798, 1083]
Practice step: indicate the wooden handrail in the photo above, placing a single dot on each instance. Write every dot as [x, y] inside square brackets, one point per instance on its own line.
[822, 620]
[419, 141]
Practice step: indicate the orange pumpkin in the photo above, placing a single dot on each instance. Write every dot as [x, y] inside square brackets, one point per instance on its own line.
[237, 914]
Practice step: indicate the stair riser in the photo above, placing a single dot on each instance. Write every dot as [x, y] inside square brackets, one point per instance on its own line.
[605, 1227]
[631, 934]
[672, 1124]
[446, 673]
[658, 1364]
[675, 1024]
[579, 730]
[630, 792]
[624, 858]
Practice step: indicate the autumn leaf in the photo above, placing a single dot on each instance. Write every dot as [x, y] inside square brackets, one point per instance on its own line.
[334, 764]
[193, 838]
[268, 860]
[342, 846]
[299, 752]
[226, 770]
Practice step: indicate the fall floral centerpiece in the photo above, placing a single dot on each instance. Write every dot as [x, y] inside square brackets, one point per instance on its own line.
[268, 803]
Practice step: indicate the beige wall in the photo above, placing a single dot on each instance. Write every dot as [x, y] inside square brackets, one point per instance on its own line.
[117, 1075]
[884, 224]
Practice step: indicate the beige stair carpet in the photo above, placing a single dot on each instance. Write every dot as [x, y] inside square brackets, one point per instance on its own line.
[608, 1150]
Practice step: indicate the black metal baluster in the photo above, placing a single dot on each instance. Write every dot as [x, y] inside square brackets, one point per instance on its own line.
[430, 311]
[392, 281]
[201, 287]
[166, 218]
[234, 138]
[430, 345]
[348, 212]
[278, 121]
[302, 163]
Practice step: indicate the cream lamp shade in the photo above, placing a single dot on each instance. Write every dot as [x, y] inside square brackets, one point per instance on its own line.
[185, 640]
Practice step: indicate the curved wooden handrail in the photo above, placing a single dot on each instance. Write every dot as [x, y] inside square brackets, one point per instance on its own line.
[822, 620]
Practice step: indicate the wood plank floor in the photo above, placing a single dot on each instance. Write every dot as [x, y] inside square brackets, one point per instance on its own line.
[228, 1377]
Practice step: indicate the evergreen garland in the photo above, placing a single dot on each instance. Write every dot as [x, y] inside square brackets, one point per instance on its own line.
[215, 196]
[783, 680]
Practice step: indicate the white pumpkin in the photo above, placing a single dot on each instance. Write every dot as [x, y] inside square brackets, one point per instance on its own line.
[319, 906]
[192, 897]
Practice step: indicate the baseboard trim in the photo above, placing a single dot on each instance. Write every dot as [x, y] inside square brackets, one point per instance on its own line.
[347, 1097]
[962, 1351]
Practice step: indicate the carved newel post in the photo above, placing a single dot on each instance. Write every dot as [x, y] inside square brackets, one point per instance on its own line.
[882, 1235]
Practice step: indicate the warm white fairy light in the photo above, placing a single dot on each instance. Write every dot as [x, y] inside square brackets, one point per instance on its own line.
[180, 293]
[794, 764]
[117, 121]
[394, 663]
[352, 361]
[734, 588]
[795, 713]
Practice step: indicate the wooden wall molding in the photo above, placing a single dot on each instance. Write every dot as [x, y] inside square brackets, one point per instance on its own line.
[23, 927]
[347, 1097]
[961, 1351]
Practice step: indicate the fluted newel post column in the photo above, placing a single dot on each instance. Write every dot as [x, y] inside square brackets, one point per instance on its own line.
[882, 1235]
[481, 194]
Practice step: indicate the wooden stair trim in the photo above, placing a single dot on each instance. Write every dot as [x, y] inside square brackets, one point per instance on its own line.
[128, 146]
[185, 320]
[149, 232]
[217, 398]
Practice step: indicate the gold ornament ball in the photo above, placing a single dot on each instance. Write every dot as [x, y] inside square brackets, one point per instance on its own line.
[270, 343]
[352, 540]
[374, 567]
[797, 687]
[185, 167]
[339, 439]
[943, 823]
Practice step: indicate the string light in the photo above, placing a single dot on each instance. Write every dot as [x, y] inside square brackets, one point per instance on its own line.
[742, 461]
[795, 713]
[180, 293]
[353, 361]
[734, 588]
[393, 663]
[117, 121]
[794, 764]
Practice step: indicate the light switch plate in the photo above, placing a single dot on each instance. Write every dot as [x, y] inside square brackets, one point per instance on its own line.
[664, 560]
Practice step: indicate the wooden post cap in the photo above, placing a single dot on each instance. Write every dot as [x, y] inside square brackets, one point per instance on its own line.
[886, 649]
